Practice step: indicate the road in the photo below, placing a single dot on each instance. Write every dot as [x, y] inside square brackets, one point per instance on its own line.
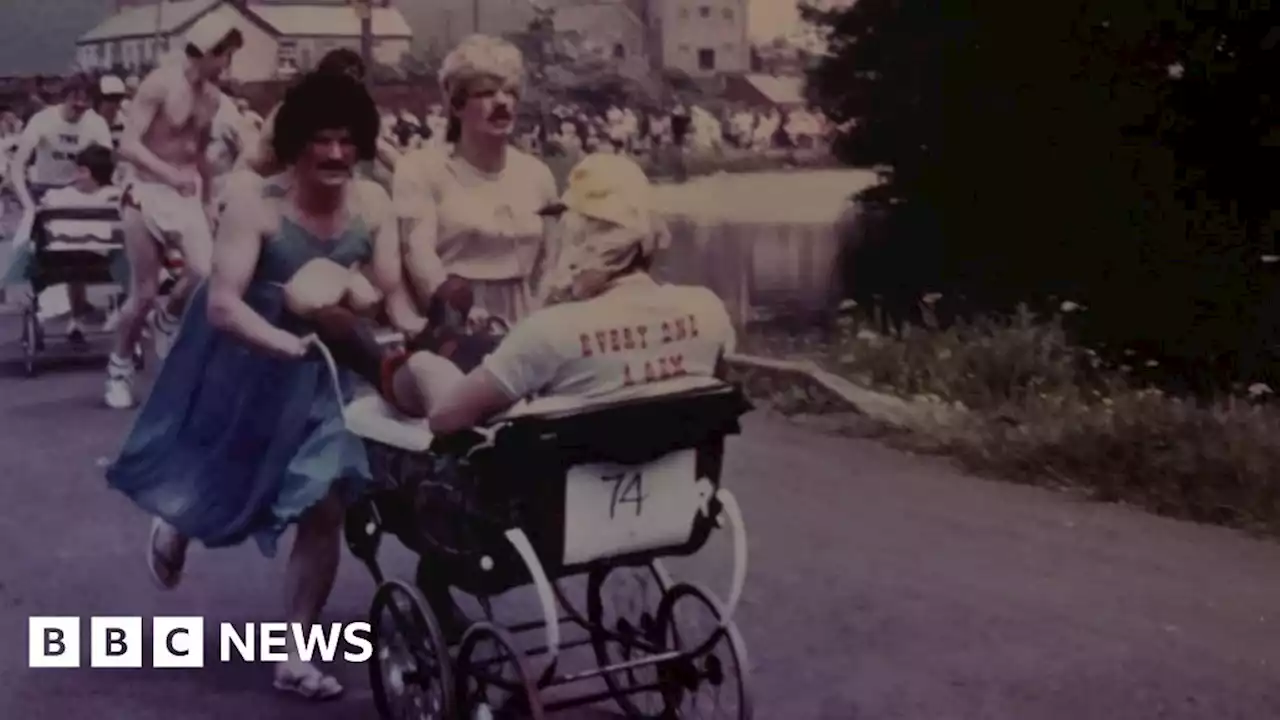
[883, 586]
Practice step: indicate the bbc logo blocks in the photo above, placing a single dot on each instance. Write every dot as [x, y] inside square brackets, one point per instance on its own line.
[53, 642]
[115, 642]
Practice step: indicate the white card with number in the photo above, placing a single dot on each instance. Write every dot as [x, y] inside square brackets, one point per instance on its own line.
[612, 510]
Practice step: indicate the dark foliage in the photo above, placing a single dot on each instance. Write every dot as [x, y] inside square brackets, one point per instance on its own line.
[1118, 154]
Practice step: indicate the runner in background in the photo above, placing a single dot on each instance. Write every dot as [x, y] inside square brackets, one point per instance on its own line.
[50, 144]
[167, 203]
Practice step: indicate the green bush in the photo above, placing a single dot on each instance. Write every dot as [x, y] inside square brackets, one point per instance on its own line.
[1037, 409]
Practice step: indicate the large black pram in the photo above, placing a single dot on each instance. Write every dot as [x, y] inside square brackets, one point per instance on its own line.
[604, 491]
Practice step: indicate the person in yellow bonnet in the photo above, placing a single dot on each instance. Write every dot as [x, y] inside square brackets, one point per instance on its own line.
[607, 329]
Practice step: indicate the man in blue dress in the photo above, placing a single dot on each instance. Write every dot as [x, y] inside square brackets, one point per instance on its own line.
[243, 435]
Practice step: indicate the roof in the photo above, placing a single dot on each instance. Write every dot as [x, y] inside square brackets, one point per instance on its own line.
[779, 90]
[314, 20]
[140, 20]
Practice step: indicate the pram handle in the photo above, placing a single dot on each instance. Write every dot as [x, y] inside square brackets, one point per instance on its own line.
[316, 343]
[106, 213]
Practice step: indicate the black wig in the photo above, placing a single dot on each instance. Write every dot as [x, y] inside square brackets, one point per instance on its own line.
[320, 102]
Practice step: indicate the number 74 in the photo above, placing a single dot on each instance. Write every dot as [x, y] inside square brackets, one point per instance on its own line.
[627, 488]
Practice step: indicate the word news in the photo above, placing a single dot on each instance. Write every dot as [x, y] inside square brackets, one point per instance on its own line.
[178, 642]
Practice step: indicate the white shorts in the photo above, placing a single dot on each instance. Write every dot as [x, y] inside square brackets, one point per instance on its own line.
[179, 224]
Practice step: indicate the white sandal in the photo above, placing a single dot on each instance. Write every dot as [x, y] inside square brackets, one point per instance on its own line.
[307, 681]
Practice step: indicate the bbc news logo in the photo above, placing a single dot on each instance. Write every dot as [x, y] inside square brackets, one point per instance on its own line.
[178, 642]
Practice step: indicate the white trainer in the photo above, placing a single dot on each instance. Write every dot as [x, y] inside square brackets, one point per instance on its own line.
[119, 393]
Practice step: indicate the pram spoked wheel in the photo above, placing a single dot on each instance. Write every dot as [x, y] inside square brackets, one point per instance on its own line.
[32, 340]
[411, 674]
[622, 607]
[709, 679]
[493, 679]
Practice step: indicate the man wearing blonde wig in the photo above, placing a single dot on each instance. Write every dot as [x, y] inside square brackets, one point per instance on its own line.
[470, 210]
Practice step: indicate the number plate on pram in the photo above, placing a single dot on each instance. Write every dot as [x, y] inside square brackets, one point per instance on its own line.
[613, 510]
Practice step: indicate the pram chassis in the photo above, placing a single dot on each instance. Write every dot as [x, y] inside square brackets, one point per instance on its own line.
[505, 530]
[49, 268]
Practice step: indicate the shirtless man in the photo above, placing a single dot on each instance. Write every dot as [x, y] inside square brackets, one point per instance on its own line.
[165, 209]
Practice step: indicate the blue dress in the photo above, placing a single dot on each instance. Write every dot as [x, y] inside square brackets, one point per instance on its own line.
[233, 443]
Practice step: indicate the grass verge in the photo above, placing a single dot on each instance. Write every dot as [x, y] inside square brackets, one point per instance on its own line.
[1032, 408]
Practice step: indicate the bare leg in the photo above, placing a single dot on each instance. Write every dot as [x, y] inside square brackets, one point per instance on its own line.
[196, 247]
[313, 566]
[197, 261]
[144, 269]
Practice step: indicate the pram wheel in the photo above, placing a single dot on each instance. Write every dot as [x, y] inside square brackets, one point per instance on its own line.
[411, 674]
[32, 340]
[622, 611]
[710, 677]
[493, 679]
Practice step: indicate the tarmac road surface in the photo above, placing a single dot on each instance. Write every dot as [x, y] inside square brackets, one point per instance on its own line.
[882, 586]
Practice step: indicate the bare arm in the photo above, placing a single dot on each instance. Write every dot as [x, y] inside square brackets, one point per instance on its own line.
[549, 251]
[416, 208]
[18, 169]
[476, 398]
[142, 112]
[260, 157]
[236, 250]
[386, 271]
[204, 167]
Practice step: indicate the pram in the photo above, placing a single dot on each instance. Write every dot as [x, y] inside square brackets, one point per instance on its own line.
[82, 245]
[538, 496]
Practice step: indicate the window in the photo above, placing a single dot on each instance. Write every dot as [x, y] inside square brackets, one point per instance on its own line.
[728, 13]
[706, 59]
[684, 13]
[705, 11]
[287, 52]
[619, 51]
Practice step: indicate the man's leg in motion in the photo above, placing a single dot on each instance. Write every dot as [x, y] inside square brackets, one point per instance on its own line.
[196, 245]
[312, 568]
[144, 268]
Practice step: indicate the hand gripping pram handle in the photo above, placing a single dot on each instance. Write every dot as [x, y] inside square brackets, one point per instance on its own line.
[515, 536]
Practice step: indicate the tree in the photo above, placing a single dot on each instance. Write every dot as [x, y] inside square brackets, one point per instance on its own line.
[567, 67]
[1079, 149]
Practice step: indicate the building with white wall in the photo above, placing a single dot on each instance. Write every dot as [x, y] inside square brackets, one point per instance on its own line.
[704, 37]
[700, 37]
[279, 39]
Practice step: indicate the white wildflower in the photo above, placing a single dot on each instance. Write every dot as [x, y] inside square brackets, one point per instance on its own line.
[1259, 390]
[1069, 307]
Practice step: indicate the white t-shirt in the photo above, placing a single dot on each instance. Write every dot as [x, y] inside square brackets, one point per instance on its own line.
[104, 197]
[56, 142]
[619, 345]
